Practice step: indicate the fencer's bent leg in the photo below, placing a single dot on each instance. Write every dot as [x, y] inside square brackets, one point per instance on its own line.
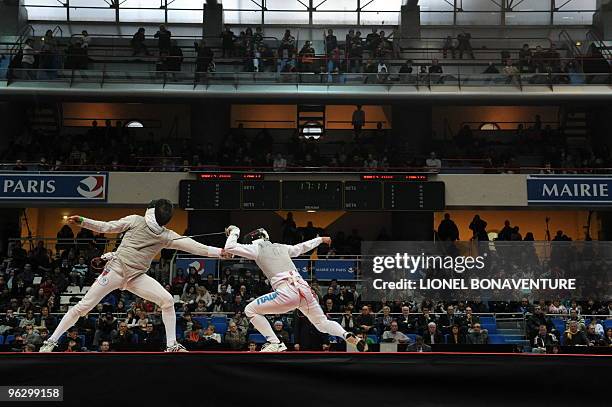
[103, 285]
[279, 301]
[151, 290]
[312, 310]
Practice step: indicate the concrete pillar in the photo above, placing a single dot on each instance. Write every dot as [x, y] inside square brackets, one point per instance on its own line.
[602, 19]
[410, 20]
[213, 20]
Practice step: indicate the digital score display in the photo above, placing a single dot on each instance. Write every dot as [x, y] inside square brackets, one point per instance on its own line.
[363, 196]
[414, 196]
[260, 195]
[312, 195]
[224, 195]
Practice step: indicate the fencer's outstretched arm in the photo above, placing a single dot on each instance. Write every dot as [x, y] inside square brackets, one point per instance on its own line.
[248, 251]
[301, 248]
[114, 226]
[191, 246]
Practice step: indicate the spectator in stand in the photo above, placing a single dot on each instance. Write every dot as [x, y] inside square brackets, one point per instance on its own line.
[279, 163]
[358, 121]
[511, 72]
[205, 56]
[163, 39]
[105, 326]
[280, 332]
[525, 56]
[406, 323]
[593, 337]
[456, 337]
[608, 338]
[478, 228]
[28, 319]
[286, 52]
[355, 53]
[28, 59]
[372, 40]
[79, 272]
[393, 335]
[234, 337]
[19, 166]
[138, 43]
[307, 58]
[449, 45]
[464, 45]
[347, 321]
[543, 340]
[476, 336]
[447, 229]
[331, 42]
[433, 163]
[211, 336]
[122, 337]
[365, 321]
[418, 346]
[72, 342]
[574, 337]
[432, 336]
[104, 347]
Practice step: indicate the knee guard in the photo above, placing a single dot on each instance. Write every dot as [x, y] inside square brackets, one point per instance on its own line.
[167, 301]
[248, 311]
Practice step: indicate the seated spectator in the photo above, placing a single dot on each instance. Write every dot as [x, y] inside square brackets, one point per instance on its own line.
[456, 337]
[31, 336]
[163, 39]
[365, 321]
[432, 336]
[235, 337]
[433, 163]
[79, 272]
[511, 72]
[280, 332]
[279, 163]
[28, 319]
[19, 166]
[210, 335]
[138, 43]
[608, 338]
[419, 346]
[574, 337]
[253, 347]
[8, 323]
[122, 337]
[543, 340]
[464, 45]
[384, 321]
[150, 338]
[575, 317]
[72, 342]
[104, 347]
[406, 323]
[393, 335]
[193, 332]
[307, 58]
[593, 337]
[476, 336]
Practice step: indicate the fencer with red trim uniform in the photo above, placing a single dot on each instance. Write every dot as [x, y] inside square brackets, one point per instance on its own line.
[126, 268]
[290, 290]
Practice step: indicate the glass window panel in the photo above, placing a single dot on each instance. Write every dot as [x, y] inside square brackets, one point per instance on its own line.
[530, 18]
[383, 5]
[573, 17]
[288, 17]
[467, 18]
[141, 16]
[338, 5]
[532, 5]
[435, 5]
[380, 18]
[576, 5]
[242, 17]
[187, 4]
[331, 17]
[430, 18]
[185, 16]
[284, 5]
[240, 5]
[91, 10]
[57, 12]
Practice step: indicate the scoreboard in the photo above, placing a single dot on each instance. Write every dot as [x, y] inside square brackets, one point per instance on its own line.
[311, 195]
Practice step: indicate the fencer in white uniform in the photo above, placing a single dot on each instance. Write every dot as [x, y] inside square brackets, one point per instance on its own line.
[126, 268]
[290, 290]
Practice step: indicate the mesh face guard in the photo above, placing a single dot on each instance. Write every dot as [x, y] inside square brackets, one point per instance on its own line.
[256, 235]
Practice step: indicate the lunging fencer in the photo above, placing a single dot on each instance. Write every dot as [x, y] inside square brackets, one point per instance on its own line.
[290, 290]
[126, 268]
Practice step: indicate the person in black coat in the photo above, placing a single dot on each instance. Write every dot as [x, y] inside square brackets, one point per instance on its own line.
[432, 336]
[447, 230]
[456, 337]
[574, 337]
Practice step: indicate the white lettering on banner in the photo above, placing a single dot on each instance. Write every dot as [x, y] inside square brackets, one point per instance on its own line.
[576, 190]
[30, 186]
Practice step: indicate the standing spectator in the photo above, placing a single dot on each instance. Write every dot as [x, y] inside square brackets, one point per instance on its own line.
[79, 272]
[449, 45]
[356, 53]
[138, 43]
[227, 42]
[331, 42]
[49, 56]
[525, 56]
[358, 121]
[205, 56]
[28, 59]
[478, 228]
[163, 39]
[464, 45]
[448, 230]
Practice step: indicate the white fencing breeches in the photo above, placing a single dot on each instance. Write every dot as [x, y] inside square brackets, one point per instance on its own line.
[285, 298]
[110, 280]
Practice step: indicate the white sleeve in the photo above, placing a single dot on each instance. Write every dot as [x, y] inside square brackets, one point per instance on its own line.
[248, 251]
[304, 247]
[191, 246]
[114, 226]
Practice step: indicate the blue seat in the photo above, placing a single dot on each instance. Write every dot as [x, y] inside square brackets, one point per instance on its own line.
[220, 328]
[496, 340]
[374, 338]
[218, 320]
[1, 339]
[487, 321]
[491, 328]
[607, 323]
[412, 337]
[83, 339]
[135, 339]
[203, 321]
[559, 324]
[257, 338]
[9, 339]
